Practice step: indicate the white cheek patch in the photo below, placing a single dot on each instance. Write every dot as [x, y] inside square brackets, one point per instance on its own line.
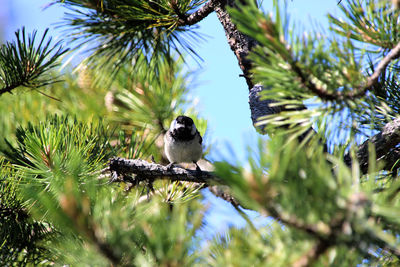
[173, 124]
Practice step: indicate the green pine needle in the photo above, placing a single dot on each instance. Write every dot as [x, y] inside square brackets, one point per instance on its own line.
[121, 30]
[25, 63]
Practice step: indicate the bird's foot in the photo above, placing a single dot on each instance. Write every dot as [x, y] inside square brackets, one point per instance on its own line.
[197, 167]
[170, 166]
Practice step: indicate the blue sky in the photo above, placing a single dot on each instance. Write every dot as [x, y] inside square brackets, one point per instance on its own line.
[222, 95]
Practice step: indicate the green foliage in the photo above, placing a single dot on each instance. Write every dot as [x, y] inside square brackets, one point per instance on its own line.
[58, 161]
[325, 73]
[133, 232]
[369, 22]
[56, 207]
[49, 151]
[150, 99]
[22, 238]
[77, 98]
[143, 113]
[120, 31]
[55, 139]
[272, 245]
[23, 63]
[297, 186]
[373, 25]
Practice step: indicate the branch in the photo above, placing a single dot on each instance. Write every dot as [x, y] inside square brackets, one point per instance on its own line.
[8, 89]
[221, 192]
[25, 62]
[239, 43]
[371, 80]
[146, 171]
[391, 159]
[122, 169]
[325, 234]
[199, 14]
[383, 142]
[393, 54]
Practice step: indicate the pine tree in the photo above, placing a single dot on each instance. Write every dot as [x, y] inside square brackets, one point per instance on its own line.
[81, 179]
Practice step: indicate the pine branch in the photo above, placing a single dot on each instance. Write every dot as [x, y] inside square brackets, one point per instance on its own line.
[358, 92]
[148, 28]
[392, 55]
[241, 45]
[326, 235]
[23, 63]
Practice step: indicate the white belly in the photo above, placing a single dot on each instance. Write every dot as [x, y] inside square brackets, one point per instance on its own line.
[183, 151]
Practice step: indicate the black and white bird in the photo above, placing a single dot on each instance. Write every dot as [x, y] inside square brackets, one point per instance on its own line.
[182, 142]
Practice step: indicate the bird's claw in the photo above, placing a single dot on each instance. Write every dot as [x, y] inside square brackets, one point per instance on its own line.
[170, 166]
[197, 167]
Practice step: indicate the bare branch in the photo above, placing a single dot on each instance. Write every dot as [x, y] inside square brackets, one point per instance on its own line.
[221, 192]
[393, 54]
[239, 43]
[199, 14]
[146, 171]
[122, 169]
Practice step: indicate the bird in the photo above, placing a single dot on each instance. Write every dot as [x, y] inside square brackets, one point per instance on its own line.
[183, 142]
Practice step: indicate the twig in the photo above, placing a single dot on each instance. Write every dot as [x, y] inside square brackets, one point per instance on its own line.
[319, 231]
[8, 89]
[393, 54]
[371, 80]
[221, 192]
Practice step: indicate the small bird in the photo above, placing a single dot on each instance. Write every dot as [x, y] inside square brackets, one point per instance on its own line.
[182, 142]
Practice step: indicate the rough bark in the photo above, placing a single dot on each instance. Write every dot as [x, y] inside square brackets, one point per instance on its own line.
[134, 171]
[144, 171]
[241, 45]
[199, 14]
[384, 144]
